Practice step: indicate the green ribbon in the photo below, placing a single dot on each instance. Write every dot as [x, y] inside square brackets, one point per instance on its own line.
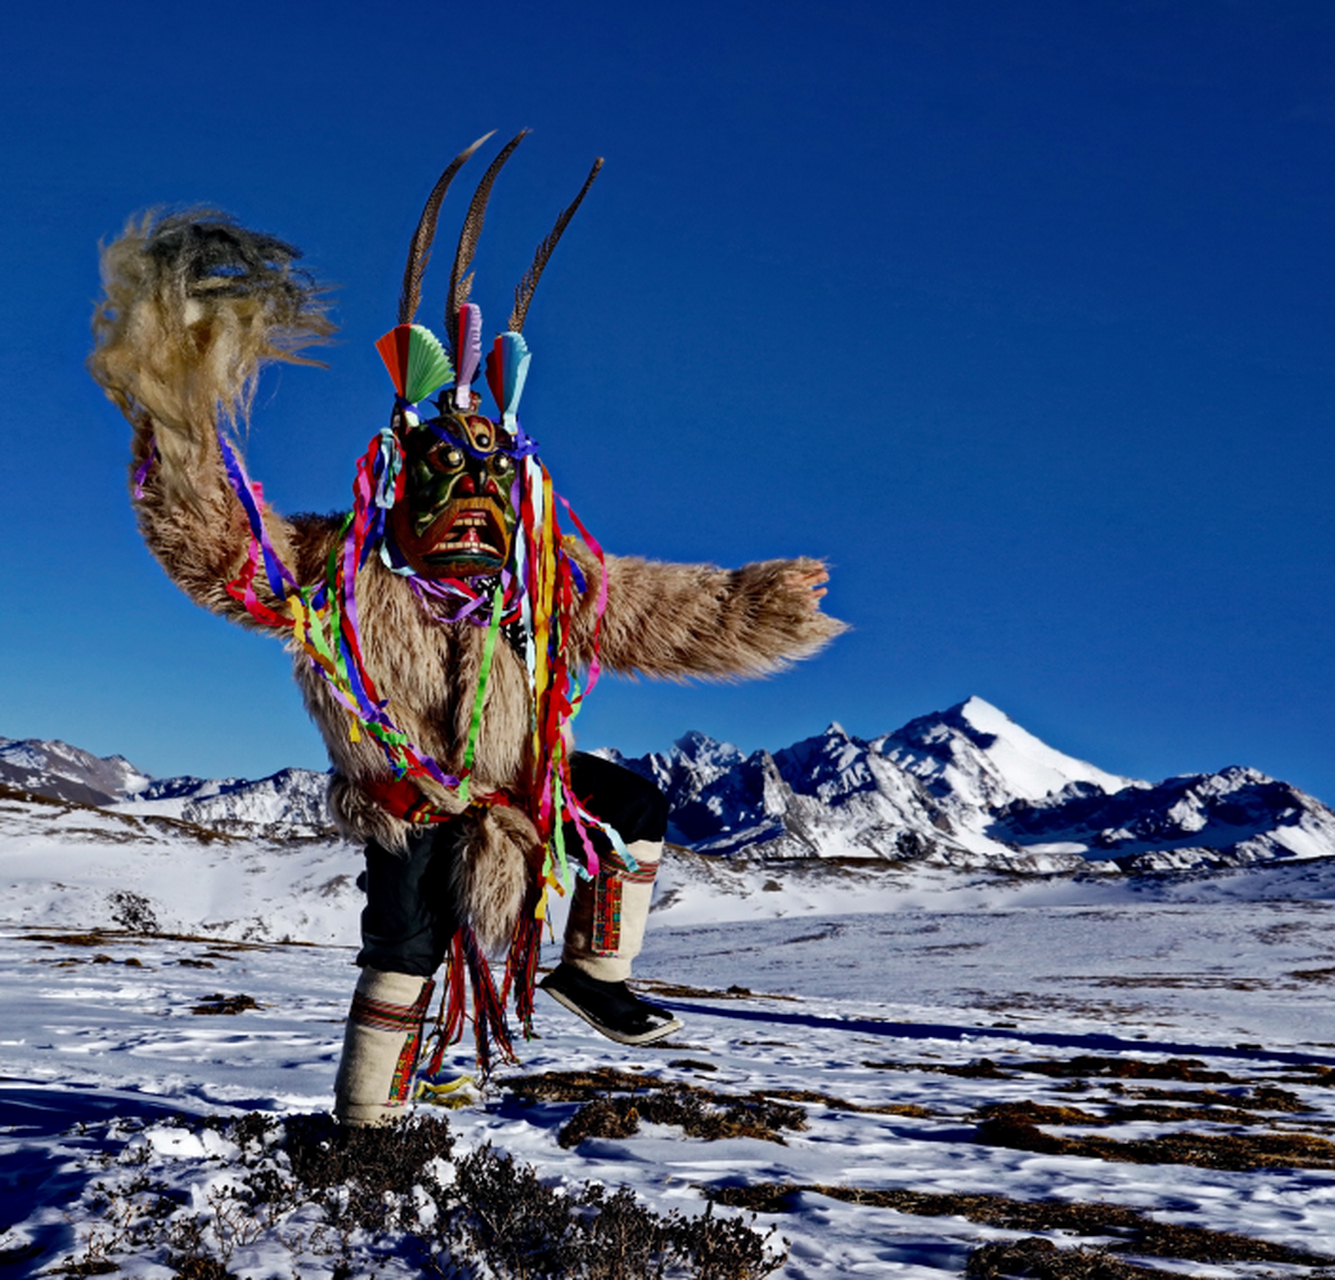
[488, 649]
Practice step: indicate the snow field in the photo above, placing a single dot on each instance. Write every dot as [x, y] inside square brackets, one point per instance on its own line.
[872, 1011]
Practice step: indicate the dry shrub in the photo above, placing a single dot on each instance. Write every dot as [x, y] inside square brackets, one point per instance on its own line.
[360, 1196]
[979, 1069]
[697, 1111]
[1042, 1260]
[200, 1269]
[219, 1004]
[578, 1086]
[605, 1118]
[1141, 1234]
[1264, 1097]
[323, 1153]
[132, 912]
[1038, 1113]
[1238, 1152]
[842, 1104]
[1015, 1125]
[525, 1230]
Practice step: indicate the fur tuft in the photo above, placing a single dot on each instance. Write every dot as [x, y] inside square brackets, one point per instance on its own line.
[501, 858]
[194, 306]
[359, 818]
[697, 621]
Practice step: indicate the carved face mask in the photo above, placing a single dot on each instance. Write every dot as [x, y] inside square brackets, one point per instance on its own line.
[456, 519]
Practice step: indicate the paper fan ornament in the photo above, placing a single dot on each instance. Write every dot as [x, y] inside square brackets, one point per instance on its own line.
[507, 370]
[416, 361]
[469, 348]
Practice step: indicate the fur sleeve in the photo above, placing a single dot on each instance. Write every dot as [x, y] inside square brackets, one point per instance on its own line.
[680, 620]
[193, 307]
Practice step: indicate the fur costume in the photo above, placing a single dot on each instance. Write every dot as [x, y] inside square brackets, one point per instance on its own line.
[194, 307]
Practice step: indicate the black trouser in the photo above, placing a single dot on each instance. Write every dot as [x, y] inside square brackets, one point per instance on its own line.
[411, 913]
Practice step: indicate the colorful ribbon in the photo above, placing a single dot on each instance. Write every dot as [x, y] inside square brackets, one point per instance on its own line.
[538, 596]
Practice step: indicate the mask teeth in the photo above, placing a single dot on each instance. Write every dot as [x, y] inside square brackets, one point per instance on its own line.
[469, 349]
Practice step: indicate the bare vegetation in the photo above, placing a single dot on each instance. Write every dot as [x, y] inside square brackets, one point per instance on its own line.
[616, 1101]
[1135, 1232]
[218, 1003]
[350, 1199]
[1009, 1126]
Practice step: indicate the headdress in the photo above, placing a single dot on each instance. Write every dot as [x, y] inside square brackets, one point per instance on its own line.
[533, 597]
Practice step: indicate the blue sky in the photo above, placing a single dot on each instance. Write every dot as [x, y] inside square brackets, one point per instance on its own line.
[1022, 314]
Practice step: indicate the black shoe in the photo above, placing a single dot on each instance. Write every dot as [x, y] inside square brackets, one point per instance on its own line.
[609, 1007]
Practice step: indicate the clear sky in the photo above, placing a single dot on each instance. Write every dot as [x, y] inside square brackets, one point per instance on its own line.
[1021, 314]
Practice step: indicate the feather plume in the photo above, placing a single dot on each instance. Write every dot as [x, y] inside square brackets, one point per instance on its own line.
[472, 230]
[524, 293]
[419, 252]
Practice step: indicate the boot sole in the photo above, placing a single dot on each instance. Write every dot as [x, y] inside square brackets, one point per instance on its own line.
[645, 1037]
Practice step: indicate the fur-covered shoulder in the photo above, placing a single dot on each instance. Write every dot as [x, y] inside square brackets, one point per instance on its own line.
[696, 620]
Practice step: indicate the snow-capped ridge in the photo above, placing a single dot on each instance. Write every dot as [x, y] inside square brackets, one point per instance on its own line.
[964, 787]
[968, 787]
[977, 753]
[65, 772]
[291, 802]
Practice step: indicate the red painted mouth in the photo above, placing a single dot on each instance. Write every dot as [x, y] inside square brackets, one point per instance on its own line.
[470, 529]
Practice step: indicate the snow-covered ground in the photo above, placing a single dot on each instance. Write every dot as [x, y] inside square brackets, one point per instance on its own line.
[871, 1011]
[981, 1050]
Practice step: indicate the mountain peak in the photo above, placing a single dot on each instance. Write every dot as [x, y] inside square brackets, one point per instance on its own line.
[693, 741]
[64, 772]
[974, 749]
[982, 715]
[701, 749]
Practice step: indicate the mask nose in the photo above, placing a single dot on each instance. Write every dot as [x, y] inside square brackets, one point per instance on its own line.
[473, 483]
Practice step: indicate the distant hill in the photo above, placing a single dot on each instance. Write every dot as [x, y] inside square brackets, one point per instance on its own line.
[969, 787]
[964, 789]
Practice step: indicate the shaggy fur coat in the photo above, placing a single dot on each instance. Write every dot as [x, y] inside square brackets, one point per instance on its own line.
[178, 348]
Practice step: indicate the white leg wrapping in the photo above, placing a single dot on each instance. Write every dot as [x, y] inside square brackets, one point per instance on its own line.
[608, 915]
[380, 1047]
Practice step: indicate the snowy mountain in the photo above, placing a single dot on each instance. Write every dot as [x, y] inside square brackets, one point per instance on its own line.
[1232, 817]
[968, 787]
[964, 788]
[974, 756]
[66, 773]
[289, 804]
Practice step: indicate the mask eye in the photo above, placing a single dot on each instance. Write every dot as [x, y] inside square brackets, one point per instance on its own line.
[445, 457]
[501, 464]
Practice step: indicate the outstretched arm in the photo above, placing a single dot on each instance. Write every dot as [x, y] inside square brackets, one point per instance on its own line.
[679, 620]
[194, 306]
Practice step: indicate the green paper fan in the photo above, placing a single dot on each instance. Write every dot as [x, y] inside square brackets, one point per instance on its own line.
[429, 368]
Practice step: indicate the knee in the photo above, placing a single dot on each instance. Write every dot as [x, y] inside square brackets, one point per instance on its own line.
[632, 804]
[646, 814]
